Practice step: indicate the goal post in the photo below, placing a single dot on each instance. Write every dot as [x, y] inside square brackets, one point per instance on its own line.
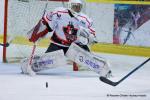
[5, 29]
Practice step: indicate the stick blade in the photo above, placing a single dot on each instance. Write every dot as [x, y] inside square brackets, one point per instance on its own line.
[105, 80]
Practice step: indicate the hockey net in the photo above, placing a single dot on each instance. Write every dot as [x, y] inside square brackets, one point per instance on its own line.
[22, 16]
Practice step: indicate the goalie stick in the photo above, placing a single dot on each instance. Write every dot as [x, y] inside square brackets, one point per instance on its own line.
[105, 80]
[34, 47]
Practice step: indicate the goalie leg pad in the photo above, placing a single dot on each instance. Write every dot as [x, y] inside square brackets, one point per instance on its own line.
[45, 61]
[87, 59]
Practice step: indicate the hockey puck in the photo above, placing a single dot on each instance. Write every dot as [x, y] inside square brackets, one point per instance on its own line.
[46, 84]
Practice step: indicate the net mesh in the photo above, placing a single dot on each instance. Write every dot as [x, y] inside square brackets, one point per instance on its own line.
[23, 15]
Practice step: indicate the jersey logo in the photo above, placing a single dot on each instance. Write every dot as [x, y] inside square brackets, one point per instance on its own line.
[70, 32]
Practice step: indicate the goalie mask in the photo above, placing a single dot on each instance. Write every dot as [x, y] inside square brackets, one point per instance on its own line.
[75, 6]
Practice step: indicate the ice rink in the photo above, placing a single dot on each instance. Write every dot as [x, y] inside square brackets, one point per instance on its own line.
[65, 84]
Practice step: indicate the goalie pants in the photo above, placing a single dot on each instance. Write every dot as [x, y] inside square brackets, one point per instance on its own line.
[53, 47]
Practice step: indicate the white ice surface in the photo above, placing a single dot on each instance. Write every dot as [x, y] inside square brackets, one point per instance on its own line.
[65, 84]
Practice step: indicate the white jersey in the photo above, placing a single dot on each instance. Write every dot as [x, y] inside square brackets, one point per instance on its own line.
[65, 25]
